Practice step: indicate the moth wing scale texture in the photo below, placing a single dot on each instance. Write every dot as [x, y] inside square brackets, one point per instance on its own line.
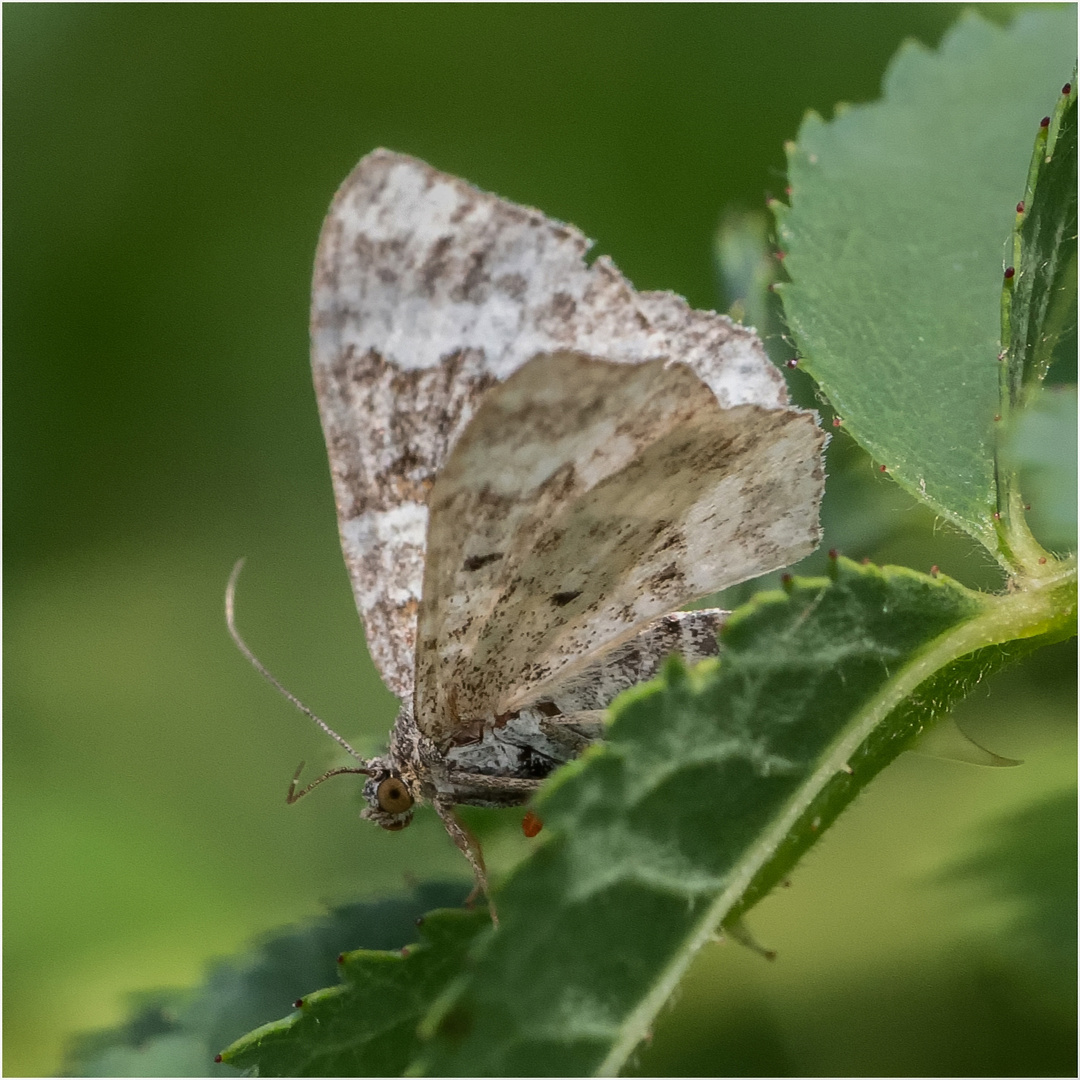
[428, 294]
[591, 498]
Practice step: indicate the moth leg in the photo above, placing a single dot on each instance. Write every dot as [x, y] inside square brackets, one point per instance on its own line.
[470, 848]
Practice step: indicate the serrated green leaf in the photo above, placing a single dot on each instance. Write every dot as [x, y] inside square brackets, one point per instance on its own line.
[710, 784]
[175, 1033]
[894, 241]
[367, 1025]
[1040, 299]
[1038, 309]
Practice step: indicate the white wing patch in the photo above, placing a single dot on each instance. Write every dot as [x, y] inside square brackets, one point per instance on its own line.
[429, 292]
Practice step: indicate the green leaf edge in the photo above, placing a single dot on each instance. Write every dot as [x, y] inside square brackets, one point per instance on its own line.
[1014, 548]
[445, 930]
[243, 991]
[1021, 374]
[864, 437]
[1017, 377]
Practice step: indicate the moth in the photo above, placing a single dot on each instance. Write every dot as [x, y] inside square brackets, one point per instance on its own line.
[535, 467]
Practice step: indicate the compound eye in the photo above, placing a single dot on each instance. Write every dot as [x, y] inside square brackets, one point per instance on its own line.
[393, 796]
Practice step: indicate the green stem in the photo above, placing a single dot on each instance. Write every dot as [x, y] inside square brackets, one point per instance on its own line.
[1027, 558]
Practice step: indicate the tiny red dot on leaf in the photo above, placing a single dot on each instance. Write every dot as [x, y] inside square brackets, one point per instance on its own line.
[833, 553]
[934, 571]
[1002, 355]
[1027, 506]
[1009, 272]
[217, 1059]
[883, 468]
[531, 824]
[997, 516]
[997, 418]
[1067, 89]
[781, 256]
[1042, 561]
[1020, 207]
[836, 421]
[1044, 122]
[793, 363]
[787, 190]
[298, 1003]
[341, 958]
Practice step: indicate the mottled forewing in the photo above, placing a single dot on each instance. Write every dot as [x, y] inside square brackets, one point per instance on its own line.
[584, 500]
[427, 292]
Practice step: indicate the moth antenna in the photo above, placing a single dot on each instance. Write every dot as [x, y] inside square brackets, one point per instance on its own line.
[294, 795]
[257, 664]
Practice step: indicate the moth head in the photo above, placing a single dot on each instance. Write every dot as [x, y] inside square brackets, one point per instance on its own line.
[390, 801]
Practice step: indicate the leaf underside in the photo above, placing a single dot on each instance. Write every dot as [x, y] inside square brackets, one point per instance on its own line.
[896, 243]
[367, 1026]
[174, 1033]
[655, 836]
[709, 787]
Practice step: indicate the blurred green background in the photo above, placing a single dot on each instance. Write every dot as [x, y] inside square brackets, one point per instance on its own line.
[167, 169]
